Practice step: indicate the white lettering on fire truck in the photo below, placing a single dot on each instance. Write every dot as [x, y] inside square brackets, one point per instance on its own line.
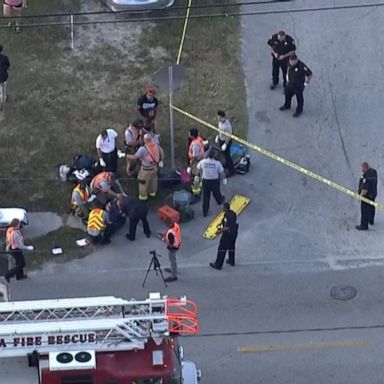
[32, 341]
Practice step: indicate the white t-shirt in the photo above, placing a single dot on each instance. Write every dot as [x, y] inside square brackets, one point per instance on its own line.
[109, 144]
[224, 126]
[212, 169]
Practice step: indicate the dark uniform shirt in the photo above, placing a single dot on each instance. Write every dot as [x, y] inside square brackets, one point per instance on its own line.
[134, 208]
[282, 47]
[230, 222]
[115, 216]
[368, 181]
[146, 105]
[297, 74]
[4, 66]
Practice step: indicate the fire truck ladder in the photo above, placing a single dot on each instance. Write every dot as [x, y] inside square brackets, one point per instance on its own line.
[98, 323]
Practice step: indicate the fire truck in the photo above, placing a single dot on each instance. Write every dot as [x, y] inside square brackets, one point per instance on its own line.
[97, 340]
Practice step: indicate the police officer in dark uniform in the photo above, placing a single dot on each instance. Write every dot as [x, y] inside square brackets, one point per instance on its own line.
[367, 189]
[136, 210]
[299, 76]
[282, 46]
[229, 228]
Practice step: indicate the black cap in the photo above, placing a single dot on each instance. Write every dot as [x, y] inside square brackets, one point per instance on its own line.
[194, 132]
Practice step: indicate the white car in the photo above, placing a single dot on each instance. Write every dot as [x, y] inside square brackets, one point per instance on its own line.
[136, 5]
[8, 214]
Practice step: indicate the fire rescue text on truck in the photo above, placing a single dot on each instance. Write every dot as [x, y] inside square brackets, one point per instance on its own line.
[96, 340]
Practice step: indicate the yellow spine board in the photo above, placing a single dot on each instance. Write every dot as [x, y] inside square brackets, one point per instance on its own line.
[238, 203]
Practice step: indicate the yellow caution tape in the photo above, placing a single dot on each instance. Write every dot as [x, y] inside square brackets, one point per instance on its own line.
[287, 163]
[238, 203]
[184, 32]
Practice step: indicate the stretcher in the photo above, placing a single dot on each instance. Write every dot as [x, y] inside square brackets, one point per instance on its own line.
[238, 203]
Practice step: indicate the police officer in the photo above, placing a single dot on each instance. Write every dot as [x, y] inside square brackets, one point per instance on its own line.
[229, 228]
[211, 172]
[299, 76]
[282, 46]
[136, 210]
[367, 189]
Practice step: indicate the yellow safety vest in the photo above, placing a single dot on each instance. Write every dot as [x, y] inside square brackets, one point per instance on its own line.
[96, 220]
[84, 195]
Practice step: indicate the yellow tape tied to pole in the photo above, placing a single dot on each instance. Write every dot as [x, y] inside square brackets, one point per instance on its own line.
[287, 163]
[184, 32]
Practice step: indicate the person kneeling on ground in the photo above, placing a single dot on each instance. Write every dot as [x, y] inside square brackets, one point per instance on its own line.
[98, 227]
[116, 219]
[103, 185]
[135, 210]
[79, 201]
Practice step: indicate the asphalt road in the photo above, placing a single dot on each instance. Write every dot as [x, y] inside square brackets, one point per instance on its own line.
[272, 319]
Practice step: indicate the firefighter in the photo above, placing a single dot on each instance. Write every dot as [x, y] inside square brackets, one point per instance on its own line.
[102, 186]
[79, 200]
[195, 151]
[172, 238]
[151, 156]
[98, 227]
[15, 246]
[132, 141]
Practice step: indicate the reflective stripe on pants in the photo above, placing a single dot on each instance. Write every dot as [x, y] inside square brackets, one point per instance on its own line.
[148, 180]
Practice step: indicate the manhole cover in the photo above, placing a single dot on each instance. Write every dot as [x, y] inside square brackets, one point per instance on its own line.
[343, 292]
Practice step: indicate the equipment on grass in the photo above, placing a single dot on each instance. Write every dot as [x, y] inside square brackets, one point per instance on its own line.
[238, 203]
[243, 165]
[168, 214]
[170, 179]
[181, 198]
[240, 157]
[186, 214]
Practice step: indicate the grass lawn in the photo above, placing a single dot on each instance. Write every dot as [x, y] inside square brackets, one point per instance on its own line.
[64, 238]
[59, 99]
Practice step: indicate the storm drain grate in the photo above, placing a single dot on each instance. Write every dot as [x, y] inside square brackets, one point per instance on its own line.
[343, 292]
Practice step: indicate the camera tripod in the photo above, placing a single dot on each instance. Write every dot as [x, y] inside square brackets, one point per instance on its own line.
[155, 266]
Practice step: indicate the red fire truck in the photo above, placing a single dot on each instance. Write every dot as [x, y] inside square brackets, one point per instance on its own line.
[96, 340]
